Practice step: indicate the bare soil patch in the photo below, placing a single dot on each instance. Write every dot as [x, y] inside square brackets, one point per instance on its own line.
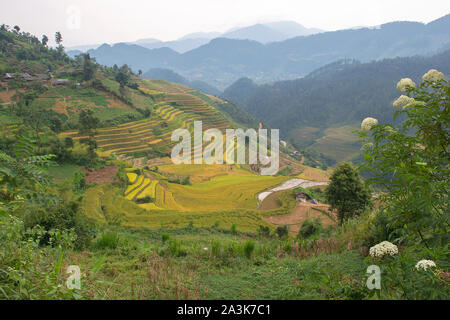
[6, 96]
[301, 212]
[104, 175]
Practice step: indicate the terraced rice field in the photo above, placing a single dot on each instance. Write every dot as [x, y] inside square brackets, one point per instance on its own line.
[177, 109]
[141, 187]
[202, 172]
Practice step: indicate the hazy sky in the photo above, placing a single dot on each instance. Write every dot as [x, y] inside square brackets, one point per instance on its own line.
[99, 21]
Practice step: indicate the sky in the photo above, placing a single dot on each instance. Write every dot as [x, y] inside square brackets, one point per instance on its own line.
[84, 22]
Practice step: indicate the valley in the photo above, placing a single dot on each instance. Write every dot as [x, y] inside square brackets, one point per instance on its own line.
[92, 176]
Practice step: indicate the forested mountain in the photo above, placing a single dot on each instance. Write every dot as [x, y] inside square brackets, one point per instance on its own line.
[169, 75]
[222, 61]
[137, 57]
[341, 93]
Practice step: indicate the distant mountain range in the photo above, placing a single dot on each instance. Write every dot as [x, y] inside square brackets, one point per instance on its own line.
[222, 61]
[264, 33]
[171, 76]
[339, 94]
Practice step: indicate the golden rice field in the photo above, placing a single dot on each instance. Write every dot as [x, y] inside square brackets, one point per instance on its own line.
[104, 204]
[202, 172]
[224, 192]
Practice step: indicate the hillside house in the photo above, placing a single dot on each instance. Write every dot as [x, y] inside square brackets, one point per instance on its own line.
[8, 76]
[301, 197]
[61, 82]
[26, 76]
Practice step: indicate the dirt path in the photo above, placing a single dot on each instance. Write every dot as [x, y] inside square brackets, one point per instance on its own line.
[291, 184]
[302, 211]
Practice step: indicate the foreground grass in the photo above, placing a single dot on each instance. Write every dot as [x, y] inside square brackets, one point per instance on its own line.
[210, 263]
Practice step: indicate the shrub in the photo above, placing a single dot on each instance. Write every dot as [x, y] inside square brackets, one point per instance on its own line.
[164, 237]
[23, 276]
[287, 246]
[108, 240]
[146, 199]
[186, 181]
[309, 228]
[63, 216]
[215, 248]
[176, 249]
[249, 247]
[402, 280]
[156, 132]
[409, 162]
[264, 231]
[282, 232]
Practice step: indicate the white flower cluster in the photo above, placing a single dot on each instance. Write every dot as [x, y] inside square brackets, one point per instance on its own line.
[425, 264]
[433, 75]
[404, 83]
[383, 249]
[402, 102]
[368, 123]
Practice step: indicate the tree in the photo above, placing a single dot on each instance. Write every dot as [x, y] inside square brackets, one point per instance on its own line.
[68, 142]
[123, 75]
[56, 124]
[44, 40]
[89, 67]
[347, 193]
[140, 72]
[79, 181]
[34, 116]
[87, 125]
[87, 121]
[92, 145]
[58, 38]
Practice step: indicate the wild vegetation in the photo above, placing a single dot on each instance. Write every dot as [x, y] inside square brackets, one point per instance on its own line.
[96, 190]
